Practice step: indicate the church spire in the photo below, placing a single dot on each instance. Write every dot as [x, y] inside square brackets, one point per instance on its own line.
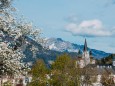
[85, 45]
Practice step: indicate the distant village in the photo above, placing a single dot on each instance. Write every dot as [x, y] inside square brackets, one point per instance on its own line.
[98, 70]
[85, 62]
[18, 35]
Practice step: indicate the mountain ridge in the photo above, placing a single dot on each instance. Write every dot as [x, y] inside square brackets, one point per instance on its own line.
[60, 45]
[50, 54]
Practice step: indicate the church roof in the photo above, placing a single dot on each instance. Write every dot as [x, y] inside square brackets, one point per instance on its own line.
[85, 45]
[94, 69]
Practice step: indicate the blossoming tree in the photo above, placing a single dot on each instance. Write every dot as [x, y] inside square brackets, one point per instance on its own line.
[13, 33]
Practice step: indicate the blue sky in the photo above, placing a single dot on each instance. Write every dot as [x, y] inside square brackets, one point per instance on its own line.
[73, 20]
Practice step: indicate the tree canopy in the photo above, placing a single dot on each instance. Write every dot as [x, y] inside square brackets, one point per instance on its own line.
[13, 33]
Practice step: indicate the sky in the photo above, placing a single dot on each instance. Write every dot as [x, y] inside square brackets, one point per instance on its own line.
[73, 20]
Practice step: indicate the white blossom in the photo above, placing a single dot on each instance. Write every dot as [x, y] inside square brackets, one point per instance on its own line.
[12, 38]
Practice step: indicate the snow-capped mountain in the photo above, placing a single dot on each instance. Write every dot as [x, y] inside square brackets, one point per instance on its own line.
[53, 47]
[60, 45]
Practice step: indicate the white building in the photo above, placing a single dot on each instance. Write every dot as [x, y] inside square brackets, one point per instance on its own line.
[85, 58]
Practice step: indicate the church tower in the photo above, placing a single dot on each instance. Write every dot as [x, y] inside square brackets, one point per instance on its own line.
[85, 54]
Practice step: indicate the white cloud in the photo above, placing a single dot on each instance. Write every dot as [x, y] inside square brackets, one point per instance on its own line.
[89, 28]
